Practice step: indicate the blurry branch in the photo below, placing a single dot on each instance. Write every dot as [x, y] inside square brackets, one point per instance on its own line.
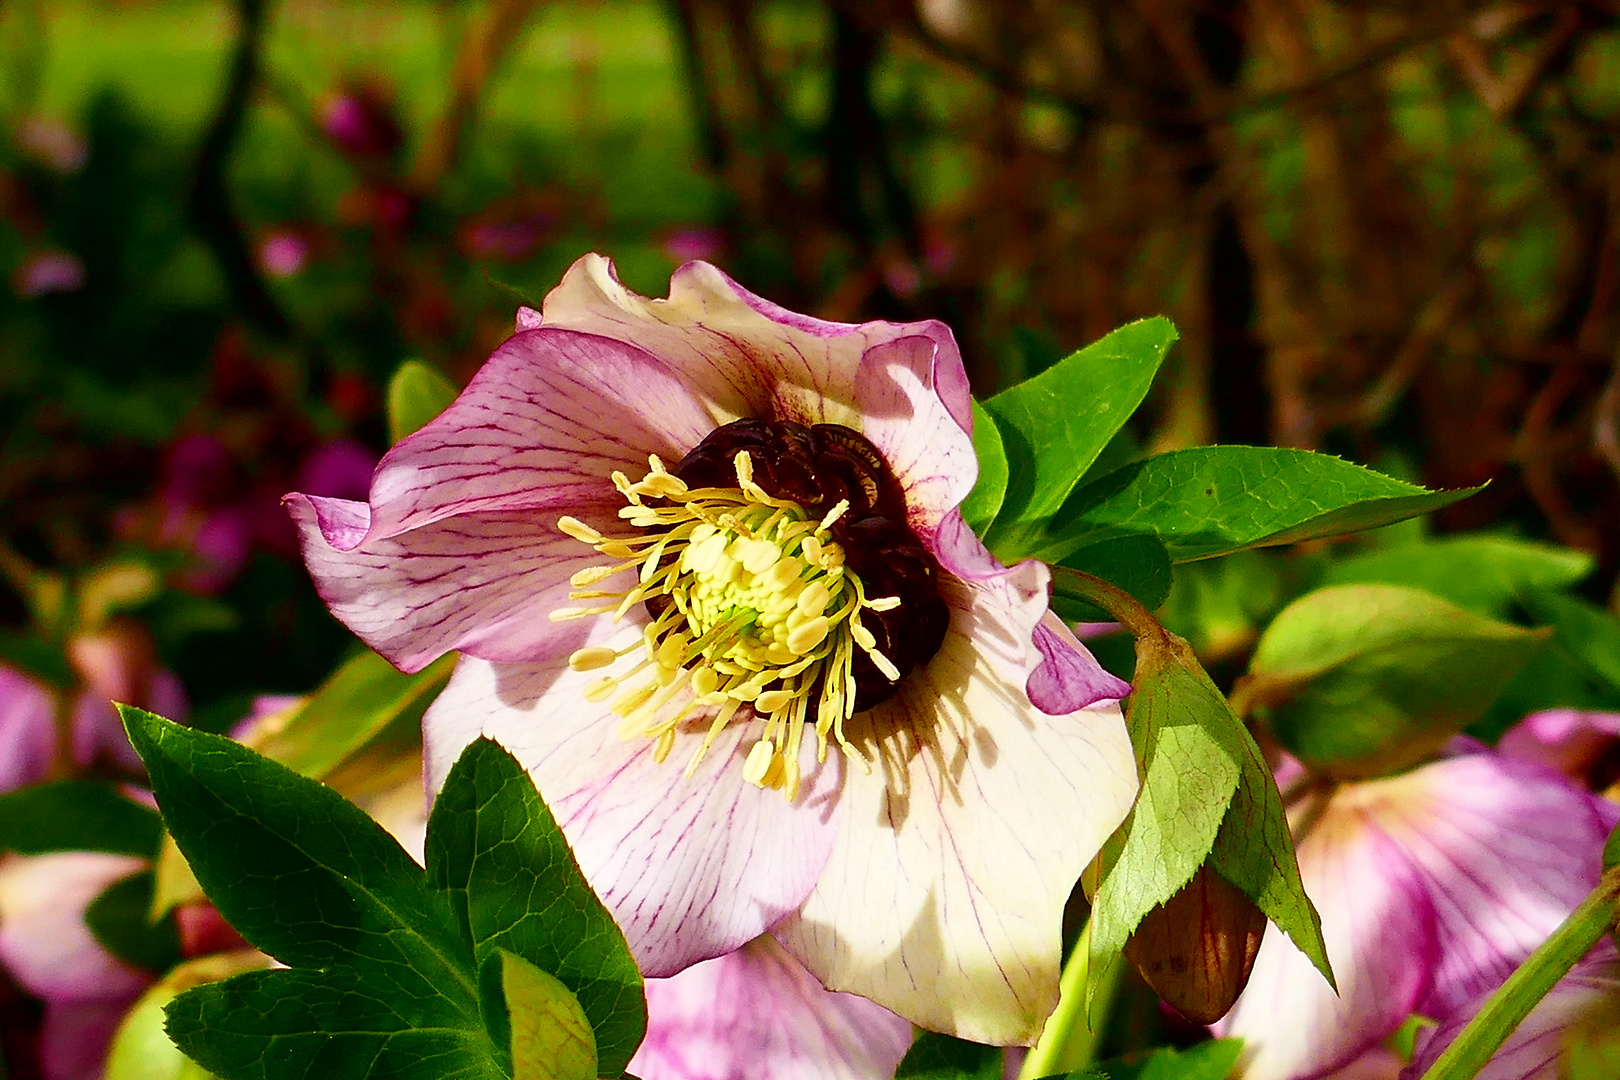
[483, 46]
[710, 131]
[1504, 96]
[1436, 318]
[210, 208]
[1220, 107]
[1606, 426]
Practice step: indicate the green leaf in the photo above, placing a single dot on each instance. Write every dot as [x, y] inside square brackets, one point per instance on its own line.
[1366, 680]
[120, 920]
[1552, 679]
[941, 1057]
[1213, 1060]
[1137, 564]
[979, 509]
[1484, 574]
[77, 815]
[1207, 794]
[302, 874]
[141, 1049]
[1221, 605]
[494, 848]
[1255, 852]
[1611, 850]
[1214, 500]
[1591, 634]
[365, 707]
[362, 699]
[1055, 424]
[394, 972]
[416, 394]
[334, 1024]
[1189, 756]
[551, 1039]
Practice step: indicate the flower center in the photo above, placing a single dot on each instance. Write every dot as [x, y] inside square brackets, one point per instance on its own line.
[802, 609]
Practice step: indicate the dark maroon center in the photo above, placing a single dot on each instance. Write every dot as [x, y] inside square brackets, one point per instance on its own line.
[816, 467]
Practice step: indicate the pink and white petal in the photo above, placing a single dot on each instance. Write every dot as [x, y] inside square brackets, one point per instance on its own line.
[1377, 1063]
[541, 427]
[43, 940]
[1569, 740]
[1379, 927]
[756, 1014]
[1584, 1005]
[483, 583]
[27, 729]
[943, 899]
[898, 395]
[1505, 849]
[75, 1035]
[744, 352]
[690, 867]
[1068, 676]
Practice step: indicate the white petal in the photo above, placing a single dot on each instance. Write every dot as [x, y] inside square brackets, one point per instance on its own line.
[944, 897]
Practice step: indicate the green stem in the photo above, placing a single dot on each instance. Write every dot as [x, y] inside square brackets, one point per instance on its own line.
[1511, 1003]
[1125, 608]
[1069, 1040]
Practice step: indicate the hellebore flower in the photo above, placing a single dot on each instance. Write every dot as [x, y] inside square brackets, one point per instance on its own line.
[703, 562]
[1579, 1018]
[27, 729]
[756, 1014]
[46, 947]
[1432, 886]
[1583, 745]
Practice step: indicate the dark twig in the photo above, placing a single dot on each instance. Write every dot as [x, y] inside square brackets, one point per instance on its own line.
[210, 208]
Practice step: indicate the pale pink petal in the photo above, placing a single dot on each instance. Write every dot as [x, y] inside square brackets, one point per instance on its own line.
[43, 940]
[756, 1014]
[898, 394]
[1379, 927]
[541, 427]
[458, 547]
[1504, 849]
[27, 729]
[1569, 740]
[690, 868]
[944, 897]
[483, 583]
[744, 352]
[1585, 1003]
[1378, 1063]
[1068, 676]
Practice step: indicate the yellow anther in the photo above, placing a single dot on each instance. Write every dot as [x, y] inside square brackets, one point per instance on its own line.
[883, 603]
[863, 637]
[744, 465]
[833, 515]
[704, 681]
[808, 636]
[579, 530]
[758, 764]
[813, 600]
[591, 575]
[592, 658]
[599, 690]
[772, 701]
[566, 613]
[882, 663]
[812, 550]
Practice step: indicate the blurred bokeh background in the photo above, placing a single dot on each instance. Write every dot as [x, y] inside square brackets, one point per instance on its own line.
[1387, 229]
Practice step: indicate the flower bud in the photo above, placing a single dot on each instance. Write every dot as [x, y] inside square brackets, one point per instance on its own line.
[1197, 948]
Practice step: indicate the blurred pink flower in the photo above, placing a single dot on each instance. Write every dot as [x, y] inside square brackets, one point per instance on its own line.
[118, 664]
[27, 729]
[694, 242]
[283, 253]
[360, 121]
[1584, 1007]
[54, 143]
[924, 875]
[1583, 745]
[47, 948]
[756, 1014]
[47, 272]
[1432, 886]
